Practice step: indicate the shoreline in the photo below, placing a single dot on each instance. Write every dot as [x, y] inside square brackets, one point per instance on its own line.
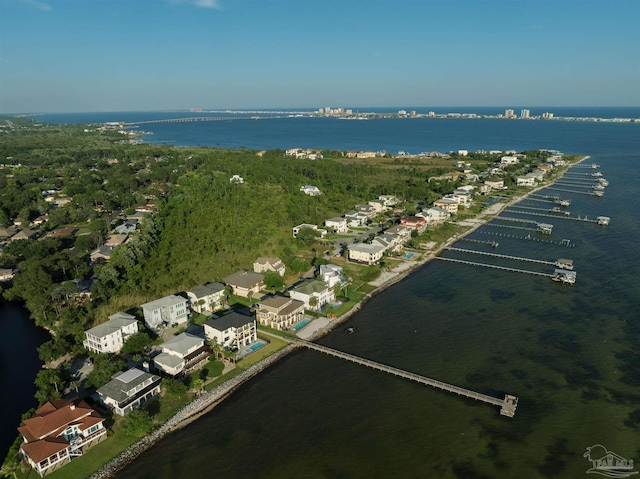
[209, 400]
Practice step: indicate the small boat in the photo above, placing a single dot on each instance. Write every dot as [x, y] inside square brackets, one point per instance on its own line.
[350, 330]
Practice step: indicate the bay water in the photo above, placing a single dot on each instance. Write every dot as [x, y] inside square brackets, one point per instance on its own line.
[569, 353]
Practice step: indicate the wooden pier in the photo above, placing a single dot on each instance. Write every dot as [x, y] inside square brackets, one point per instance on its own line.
[494, 266]
[493, 244]
[564, 242]
[560, 217]
[507, 405]
[590, 193]
[516, 220]
[504, 256]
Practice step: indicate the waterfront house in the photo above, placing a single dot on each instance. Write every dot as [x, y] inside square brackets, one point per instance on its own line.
[129, 390]
[263, 264]
[207, 297]
[279, 312]
[245, 283]
[402, 232]
[165, 311]
[109, 336]
[495, 183]
[233, 330]
[365, 253]
[59, 431]
[312, 288]
[338, 225]
[390, 242]
[525, 181]
[182, 354]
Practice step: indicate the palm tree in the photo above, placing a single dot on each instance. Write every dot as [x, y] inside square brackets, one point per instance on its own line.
[313, 302]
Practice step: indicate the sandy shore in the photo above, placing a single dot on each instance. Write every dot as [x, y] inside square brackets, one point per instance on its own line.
[207, 401]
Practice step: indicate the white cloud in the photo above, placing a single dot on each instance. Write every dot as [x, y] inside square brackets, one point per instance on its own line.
[37, 4]
[212, 4]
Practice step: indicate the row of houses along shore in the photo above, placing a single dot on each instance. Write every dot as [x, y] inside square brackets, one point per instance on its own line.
[63, 429]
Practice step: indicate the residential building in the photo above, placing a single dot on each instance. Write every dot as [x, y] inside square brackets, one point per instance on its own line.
[237, 179]
[366, 209]
[207, 297]
[435, 215]
[320, 232]
[390, 242]
[233, 330]
[378, 206]
[181, 354]
[60, 430]
[109, 336]
[279, 312]
[414, 222]
[509, 160]
[116, 240]
[129, 390]
[166, 311]
[331, 274]
[495, 183]
[365, 253]
[6, 274]
[126, 228]
[525, 181]
[263, 264]
[102, 254]
[245, 283]
[448, 204]
[356, 219]
[310, 190]
[25, 234]
[402, 232]
[7, 232]
[338, 225]
[389, 200]
[313, 291]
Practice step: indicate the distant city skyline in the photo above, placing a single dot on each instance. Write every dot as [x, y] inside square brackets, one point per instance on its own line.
[117, 55]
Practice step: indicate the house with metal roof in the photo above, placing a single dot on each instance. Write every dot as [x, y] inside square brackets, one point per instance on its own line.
[207, 297]
[109, 336]
[129, 390]
[182, 354]
[172, 309]
[279, 312]
[310, 289]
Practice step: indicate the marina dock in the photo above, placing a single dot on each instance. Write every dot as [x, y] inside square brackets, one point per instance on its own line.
[504, 256]
[507, 405]
[494, 266]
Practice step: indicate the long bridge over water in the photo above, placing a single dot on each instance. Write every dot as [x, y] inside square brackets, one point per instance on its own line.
[507, 405]
[192, 120]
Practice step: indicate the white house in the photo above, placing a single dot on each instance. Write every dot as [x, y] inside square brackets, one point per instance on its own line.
[237, 179]
[331, 274]
[232, 330]
[339, 225]
[509, 160]
[129, 390]
[109, 336]
[365, 253]
[356, 219]
[495, 183]
[389, 200]
[264, 264]
[165, 311]
[378, 206]
[245, 283]
[525, 181]
[181, 354]
[366, 209]
[310, 190]
[296, 229]
[390, 242]
[207, 297]
[313, 291]
[435, 215]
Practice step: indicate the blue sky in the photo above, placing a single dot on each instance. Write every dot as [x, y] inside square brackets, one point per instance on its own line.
[125, 55]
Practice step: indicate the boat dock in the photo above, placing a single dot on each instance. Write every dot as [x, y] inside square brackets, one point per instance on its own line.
[506, 256]
[493, 244]
[507, 405]
[493, 266]
[563, 217]
[564, 242]
[590, 193]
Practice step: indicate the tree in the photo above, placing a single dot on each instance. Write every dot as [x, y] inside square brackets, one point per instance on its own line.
[136, 343]
[104, 367]
[273, 281]
[137, 423]
[307, 235]
[313, 302]
[173, 387]
[49, 382]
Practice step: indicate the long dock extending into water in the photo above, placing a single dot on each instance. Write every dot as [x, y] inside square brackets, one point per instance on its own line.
[494, 266]
[505, 256]
[507, 405]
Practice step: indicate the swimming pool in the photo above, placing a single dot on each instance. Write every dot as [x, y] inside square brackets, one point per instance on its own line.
[408, 255]
[302, 324]
[255, 346]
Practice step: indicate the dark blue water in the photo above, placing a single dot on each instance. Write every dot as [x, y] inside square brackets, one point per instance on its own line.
[570, 354]
[19, 364]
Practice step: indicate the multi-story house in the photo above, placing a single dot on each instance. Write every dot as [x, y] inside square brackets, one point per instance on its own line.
[338, 225]
[331, 274]
[262, 265]
[279, 312]
[312, 288]
[129, 390]
[182, 354]
[207, 297]
[59, 431]
[109, 336]
[245, 283]
[365, 253]
[232, 330]
[165, 311]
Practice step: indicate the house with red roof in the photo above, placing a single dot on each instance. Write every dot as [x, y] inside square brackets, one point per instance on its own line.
[59, 431]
